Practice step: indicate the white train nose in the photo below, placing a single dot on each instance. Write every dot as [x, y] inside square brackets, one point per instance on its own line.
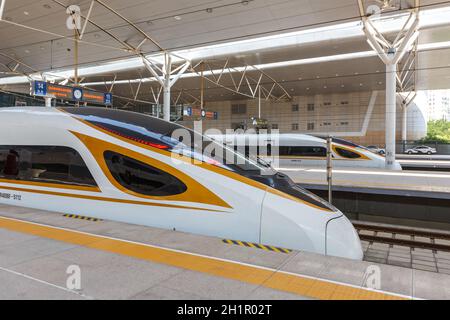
[342, 239]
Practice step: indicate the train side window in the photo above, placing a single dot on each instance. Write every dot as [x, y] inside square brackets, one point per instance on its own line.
[50, 164]
[142, 178]
[9, 162]
[303, 151]
[347, 153]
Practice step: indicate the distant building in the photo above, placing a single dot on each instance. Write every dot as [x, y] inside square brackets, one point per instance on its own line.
[347, 115]
[437, 104]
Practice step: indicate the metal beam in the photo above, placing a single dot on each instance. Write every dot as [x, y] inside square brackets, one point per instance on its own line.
[130, 23]
[215, 77]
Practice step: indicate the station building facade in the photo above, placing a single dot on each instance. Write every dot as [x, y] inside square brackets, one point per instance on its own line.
[348, 115]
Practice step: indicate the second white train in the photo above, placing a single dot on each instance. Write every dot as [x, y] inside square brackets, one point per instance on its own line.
[301, 150]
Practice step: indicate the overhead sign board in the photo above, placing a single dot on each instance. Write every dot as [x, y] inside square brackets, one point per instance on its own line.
[191, 112]
[45, 89]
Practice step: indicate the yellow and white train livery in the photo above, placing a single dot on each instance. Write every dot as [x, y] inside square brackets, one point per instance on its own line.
[120, 166]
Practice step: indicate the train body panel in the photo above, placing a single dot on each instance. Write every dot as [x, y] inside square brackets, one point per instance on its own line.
[305, 228]
[214, 202]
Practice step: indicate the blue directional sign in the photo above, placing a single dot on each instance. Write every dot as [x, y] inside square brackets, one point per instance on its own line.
[108, 99]
[40, 88]
[188, 111]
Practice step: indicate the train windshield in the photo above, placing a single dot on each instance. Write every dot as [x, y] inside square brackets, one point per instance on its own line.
[167, 136]
[348, 143]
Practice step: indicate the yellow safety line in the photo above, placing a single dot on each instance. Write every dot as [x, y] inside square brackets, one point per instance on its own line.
[75, 216]
[252, 245]
[260, 276]
[257, 246]
[275, 249]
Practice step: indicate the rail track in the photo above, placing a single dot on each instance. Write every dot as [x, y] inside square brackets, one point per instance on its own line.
[403, 236]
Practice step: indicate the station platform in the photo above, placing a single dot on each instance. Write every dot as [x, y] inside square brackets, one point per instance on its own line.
[124, 261]
[424, 162]
[423, 184]
[432, 157]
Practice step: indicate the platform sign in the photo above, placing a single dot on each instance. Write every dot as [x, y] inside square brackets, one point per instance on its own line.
[39, 88]
[107, 100]
[93, 97]
[187, 111]
[79, 94]
[202, 113]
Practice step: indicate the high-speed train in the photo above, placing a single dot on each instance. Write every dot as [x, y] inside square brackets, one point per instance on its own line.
[302, 150]
[134, 168]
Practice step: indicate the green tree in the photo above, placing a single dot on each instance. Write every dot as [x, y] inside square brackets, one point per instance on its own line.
[438, 131]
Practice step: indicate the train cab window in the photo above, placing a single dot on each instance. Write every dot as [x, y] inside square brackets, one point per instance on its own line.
[157, 133]
[141, 177]
[9, 163]
[303, 151]
[347, 153]
[50, 164]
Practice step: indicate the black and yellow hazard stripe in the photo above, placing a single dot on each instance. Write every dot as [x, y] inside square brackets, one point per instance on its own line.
[74, 216]
[257, 246]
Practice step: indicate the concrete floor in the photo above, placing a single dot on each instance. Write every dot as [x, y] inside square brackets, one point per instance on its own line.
[426, 181]
[34, 267]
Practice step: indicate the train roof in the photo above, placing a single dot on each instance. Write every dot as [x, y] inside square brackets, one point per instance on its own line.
[135, 121]
[143, 125]
[280, 136]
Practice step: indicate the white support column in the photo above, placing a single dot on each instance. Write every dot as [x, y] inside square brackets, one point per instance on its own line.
[391, 53]
[166, 77]
[2, 8]
[404, 123]
[391, 102]
[167, 69]
[259, 102]
[48, 101]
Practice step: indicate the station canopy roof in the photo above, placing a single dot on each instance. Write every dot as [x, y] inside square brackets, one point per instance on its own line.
[304, 46]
